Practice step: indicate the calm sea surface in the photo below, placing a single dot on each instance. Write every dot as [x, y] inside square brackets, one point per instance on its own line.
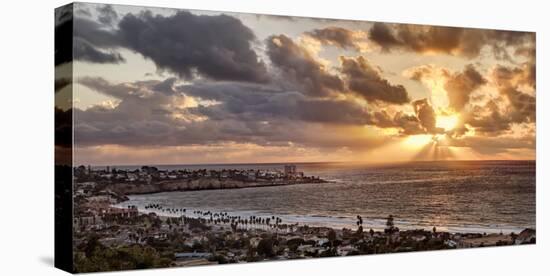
[473, 196]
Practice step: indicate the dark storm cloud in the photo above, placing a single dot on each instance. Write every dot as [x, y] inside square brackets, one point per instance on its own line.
[362, 79]
[460, 85]
[62, 83]
[446, 40]
[226, 112]
[217, 47]
[142, 116]
[297, 65]
[107, 15]
[96, 34]
[250, 103]
[382, 35]
[426, 116]
[258, 103]
[73, 40]
[85, 51]
[336, 36]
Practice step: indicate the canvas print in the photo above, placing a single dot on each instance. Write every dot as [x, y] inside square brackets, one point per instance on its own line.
[189, 137]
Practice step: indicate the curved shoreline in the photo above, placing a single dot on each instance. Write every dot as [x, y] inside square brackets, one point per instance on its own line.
[125, 189]
[343, 222]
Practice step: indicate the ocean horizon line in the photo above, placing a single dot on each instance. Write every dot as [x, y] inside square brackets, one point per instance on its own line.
[305, 163]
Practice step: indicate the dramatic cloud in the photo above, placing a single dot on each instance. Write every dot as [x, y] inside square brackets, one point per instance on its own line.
[409, 123]
[488, 119]
[220, 94]
[446, 40]
[515, 106]
[85, 51]
[406, 124]
[508, 81]
[96, 34]
[339, 37]
[239, 102]
[159, 113]
[515, 103]
[364, 80]
[426, 116]
[107, 15]
[460, 85]
[81, 39]
[300, 67]
[217, 47]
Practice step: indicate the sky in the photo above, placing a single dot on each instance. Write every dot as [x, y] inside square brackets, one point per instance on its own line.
[170, 86]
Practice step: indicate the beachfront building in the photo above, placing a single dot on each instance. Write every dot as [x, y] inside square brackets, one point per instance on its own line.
[290, 170]
[112, 213]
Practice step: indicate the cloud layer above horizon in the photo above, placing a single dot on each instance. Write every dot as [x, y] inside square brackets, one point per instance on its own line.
[174, 86]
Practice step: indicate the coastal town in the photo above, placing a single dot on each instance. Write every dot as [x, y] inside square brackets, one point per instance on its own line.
[110, 237]
[150, 179]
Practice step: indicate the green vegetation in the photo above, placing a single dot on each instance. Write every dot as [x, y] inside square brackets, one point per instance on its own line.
[93, 256]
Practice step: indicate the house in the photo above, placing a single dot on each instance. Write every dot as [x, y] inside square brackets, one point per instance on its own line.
[320, 241]
[87, 185]
[120, 213]
[345, 250]
[86, 220]
[251, 176]
[132, 177]
[159, 236]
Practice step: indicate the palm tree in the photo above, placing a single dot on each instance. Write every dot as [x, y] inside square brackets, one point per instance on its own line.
[389, 225]
[331, 237]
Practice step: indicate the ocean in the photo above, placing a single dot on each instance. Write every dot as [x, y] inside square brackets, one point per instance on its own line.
[455, 196]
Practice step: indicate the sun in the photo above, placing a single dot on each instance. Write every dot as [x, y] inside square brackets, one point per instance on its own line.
[447, 122]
